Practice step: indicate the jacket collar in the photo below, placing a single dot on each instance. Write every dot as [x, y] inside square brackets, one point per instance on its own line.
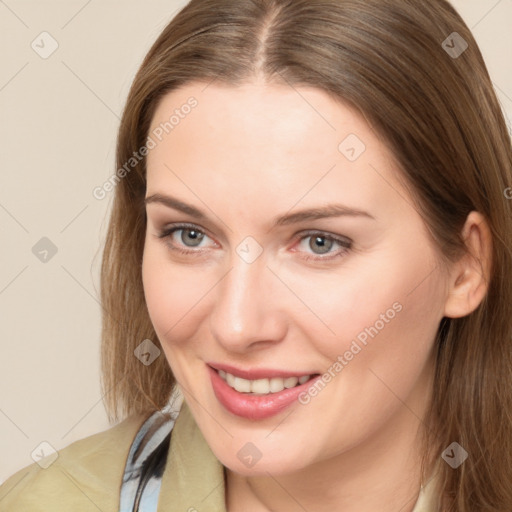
[193, 478]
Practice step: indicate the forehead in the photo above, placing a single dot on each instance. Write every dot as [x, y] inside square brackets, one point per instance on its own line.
[273, 143]
[257, 114]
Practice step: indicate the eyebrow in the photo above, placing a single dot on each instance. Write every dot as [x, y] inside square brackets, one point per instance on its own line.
[331, 210]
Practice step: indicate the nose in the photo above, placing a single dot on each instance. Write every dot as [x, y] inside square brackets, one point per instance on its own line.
[247, 313]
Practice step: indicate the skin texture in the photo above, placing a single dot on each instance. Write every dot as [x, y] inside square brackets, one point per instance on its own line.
[245, 155]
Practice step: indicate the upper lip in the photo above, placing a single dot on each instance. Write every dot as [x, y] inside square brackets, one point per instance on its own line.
[257, 373]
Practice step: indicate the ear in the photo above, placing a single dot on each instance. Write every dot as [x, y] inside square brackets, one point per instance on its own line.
[469, 277]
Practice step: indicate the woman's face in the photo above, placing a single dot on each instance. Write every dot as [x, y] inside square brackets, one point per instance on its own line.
[295, 253]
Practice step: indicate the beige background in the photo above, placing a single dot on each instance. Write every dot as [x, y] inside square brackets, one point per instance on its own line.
[58, 125]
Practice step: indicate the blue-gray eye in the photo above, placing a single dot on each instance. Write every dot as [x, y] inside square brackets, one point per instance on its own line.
[193, 236]
[323, 243]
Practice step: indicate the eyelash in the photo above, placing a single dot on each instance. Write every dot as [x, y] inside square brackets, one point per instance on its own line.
[346, 244]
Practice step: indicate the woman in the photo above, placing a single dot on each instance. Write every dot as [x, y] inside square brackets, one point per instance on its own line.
[311, 241]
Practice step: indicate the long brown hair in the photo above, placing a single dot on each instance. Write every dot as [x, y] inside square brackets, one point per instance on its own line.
[405, 67]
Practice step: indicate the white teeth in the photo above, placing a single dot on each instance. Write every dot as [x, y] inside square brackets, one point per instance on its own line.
[230, 379]
[276, 384]
[242, 385]
[262, 386]
[290, 382]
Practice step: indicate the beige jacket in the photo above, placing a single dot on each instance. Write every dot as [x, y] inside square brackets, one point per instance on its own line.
[87, 475]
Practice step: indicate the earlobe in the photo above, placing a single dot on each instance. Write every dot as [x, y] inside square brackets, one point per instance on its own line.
[469, 277]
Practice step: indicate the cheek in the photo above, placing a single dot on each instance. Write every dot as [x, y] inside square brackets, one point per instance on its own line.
[384, 315]
[174, 296]
[381, 352]
[397, 353]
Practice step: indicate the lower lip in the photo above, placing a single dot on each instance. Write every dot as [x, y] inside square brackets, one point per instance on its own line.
[255, 407]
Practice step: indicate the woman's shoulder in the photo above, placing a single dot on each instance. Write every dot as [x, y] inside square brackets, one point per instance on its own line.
[85, 475]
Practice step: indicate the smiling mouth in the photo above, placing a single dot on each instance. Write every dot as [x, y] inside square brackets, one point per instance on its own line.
[269, 392]
[262, 386]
